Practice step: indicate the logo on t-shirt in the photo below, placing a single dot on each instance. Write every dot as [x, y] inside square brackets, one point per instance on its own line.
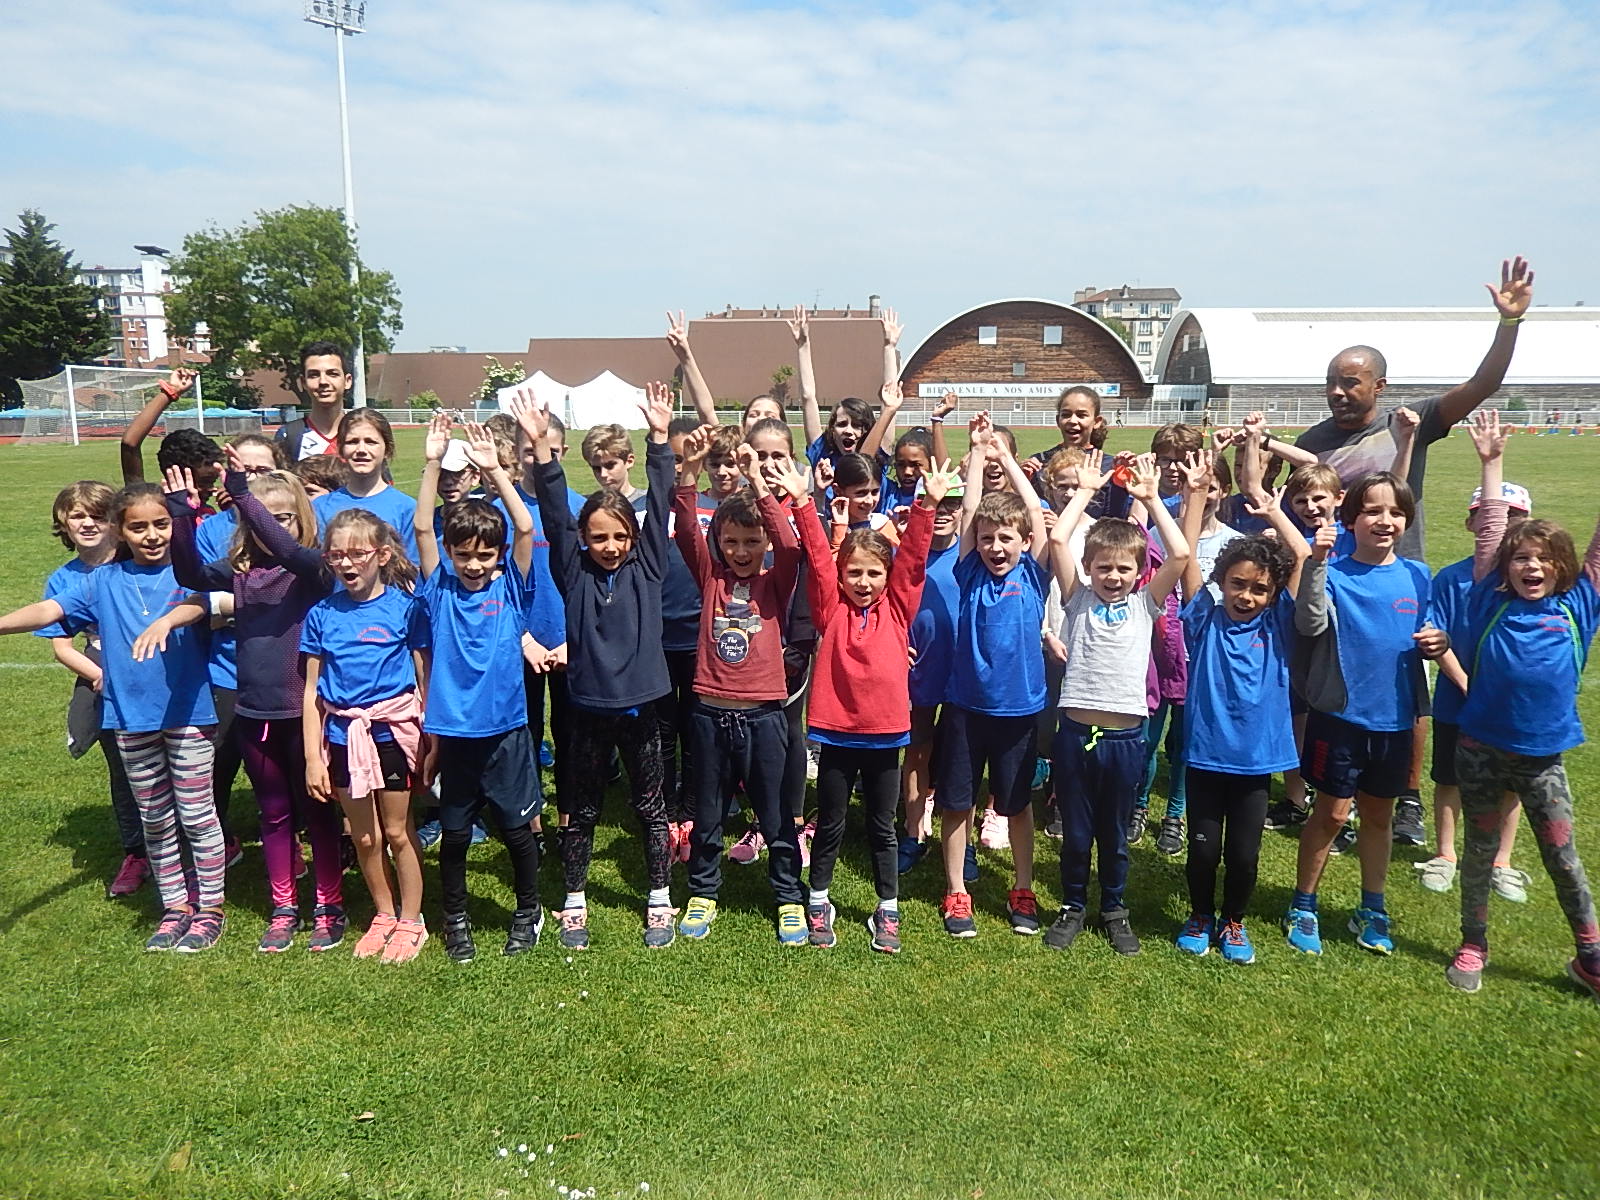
[491, 608]
[375, 633]
[1406, 605]
[733, 628]
[1114, 613]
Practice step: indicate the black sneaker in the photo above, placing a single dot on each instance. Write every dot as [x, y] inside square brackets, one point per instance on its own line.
[526, 925]
[1285, 815]
[1052, 829]
[1118, 932]
[1065, 929]
[1170, 840]
[458, 944]
[1136, 825]
[1407, 829]
[1344, 839]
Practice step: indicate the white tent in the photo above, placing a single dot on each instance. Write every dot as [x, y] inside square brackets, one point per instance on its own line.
[605, 399]
[547, 391]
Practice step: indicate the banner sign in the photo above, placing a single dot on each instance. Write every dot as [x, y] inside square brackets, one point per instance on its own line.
[1010, 390]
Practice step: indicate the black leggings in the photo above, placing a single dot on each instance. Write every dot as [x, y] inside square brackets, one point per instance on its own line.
[672, 714]
[880, 781]
[794, 758]
[535, 686]
[591, 736]
[1226, 813]
[522, 845]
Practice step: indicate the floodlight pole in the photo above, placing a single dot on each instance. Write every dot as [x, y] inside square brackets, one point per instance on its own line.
[346, 20]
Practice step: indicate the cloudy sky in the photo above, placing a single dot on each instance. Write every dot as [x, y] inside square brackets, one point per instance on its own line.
[572, 169]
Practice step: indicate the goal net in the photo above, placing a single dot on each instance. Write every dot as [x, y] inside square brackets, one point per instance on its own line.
[82, 402]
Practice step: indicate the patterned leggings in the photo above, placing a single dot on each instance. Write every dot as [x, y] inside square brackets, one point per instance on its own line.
[1541, 784]
[170, 770]
[638, 742]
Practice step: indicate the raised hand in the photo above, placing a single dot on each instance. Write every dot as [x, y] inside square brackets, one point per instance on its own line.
[937, 482]
[657, 407]
[235, 463]
[1515, 292]
[891, 327]
[1270, 503]
[946, 405]
[839, 510]
[480, 448]
[892, 395]
[793, 481]
[1222, 437]
[437, 440]
[1145, 484]
[1488, 435]
[678, 335]
[1196, 469]
[181, 480]
[800, 325]
[696, 446]
[1090, 479]
[1408, 420]
[750, 467]
[531, 413]
[181, 379]
[822, 475]
[980, 430]
[1322, 544]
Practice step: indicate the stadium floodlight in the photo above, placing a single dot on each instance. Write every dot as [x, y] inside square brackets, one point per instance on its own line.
[346, 20]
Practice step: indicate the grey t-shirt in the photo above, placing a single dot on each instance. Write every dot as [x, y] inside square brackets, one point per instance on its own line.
[1357, 452]
[1108, 652]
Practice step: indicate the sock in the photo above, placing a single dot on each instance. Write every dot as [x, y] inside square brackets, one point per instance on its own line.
[1304, 902]
[658, 898]
[575, 900]
[892, 904]
[1372, 900]
[818, 899]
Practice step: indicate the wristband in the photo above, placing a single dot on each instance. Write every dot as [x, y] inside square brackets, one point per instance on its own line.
[1511, 320]
[167, 390]
[935, 419]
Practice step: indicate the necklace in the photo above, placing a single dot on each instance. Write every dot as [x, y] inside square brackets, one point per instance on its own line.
[144, 605]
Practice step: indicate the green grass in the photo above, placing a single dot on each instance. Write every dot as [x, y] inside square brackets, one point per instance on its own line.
[730, 1068]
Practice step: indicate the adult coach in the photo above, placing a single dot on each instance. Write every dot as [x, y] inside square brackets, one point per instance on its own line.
[1357, 439]
[325, 377]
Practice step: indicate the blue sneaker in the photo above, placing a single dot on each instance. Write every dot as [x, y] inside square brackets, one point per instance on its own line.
[911, 853]
[547, 754]
[479, 835]
[697, 919]
[1302, 931]
[1236, 947]
[1195, 937]
[969, 865]
[1371, 928]
[429, 833]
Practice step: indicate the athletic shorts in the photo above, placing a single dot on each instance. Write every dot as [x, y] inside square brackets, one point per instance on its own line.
[1340, 759]
[391, 761]
[924, 718]
[1445, 734]
[969, 742]
[497, 772]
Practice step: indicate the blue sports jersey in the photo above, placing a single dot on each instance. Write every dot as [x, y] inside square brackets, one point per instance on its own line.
[475, 683]
[1447, 610]
[997, 663]
[213, 539]
[65, 577]
[1237, 709]
[168, 691]
[1379, 608]
[391, 505]
[892, 496]
[933, 629]
[366, 651]
[1524, 659]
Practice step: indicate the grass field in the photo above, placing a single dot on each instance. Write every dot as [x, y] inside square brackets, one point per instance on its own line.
[990, 1068]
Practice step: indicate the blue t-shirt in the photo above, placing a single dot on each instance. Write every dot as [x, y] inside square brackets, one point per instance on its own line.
[1234, 513]
[168, 691]
[892, 496]
[1237, 709]
[1344, 541]
[213, 539]
[366, 651]
[1524, 659]
[998, 661]
[933, 629]
[391, 505]
[1447, 610]
[475, 683]
[64, 578]
[1378, 609]
[544, 611]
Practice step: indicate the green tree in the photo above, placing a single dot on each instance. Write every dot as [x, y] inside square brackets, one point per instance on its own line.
[47, 318]
[227, 388]
[270, 286]
[496, 375]
[1119, 328]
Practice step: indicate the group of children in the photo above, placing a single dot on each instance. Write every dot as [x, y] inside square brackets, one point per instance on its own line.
[928, 630]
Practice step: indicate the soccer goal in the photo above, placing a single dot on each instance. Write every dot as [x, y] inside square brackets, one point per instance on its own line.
[90, 401]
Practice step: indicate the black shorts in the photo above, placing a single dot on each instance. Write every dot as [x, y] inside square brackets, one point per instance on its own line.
[495, 771]
[391, 761]
[924, 718]
[969, 742]
[1445, 734]
[1340, 759]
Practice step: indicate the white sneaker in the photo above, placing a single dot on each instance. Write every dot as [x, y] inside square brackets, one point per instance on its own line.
[1510, 884]
[994, 833]
[1437, 874]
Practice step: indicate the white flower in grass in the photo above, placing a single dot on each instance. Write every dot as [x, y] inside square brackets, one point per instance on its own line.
[522, 1149]
[502, 1152]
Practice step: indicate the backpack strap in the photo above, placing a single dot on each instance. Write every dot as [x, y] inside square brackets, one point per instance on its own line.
[1578, 655]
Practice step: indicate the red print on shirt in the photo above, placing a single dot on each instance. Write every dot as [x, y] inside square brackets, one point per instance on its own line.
[1406, 605]
[375, 633]
[491, 608]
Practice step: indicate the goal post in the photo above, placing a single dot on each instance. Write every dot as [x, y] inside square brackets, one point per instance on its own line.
[89, 401]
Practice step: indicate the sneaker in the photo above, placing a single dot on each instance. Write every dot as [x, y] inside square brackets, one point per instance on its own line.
[697, 920]
[969, 864]
[1344, 839]
[547, 754]
[130, 877]
[685, 839]
[327, 927]
[1236, 947]
[1136, 825]
[957, 911]
[994, 831]
[813, 761]
[658, 933]
[204, 932]
[282, 925]
[376, 937]
[1118, 932]
[792, 925]
[911, 853]
[458, 944]
[1437, 874]
[1465, 971]
[574, 928]
[1407, 828]
[1302, 931]
[1022, 906]
[1510, 884]
[748, 848]
[233, 853]
[1052, 828]
[1065, 929]
[1195, 936]
[526, 926]
[173, 925]
[480, 835]
[884, 926]
[819, 925]
[1285, 815]
[1583, 977]
[429, 833]
[1371, 928]
[405, 941]
[1170, 840]
[808, 831]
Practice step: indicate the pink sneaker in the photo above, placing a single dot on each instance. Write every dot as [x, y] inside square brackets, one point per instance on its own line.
[807, 832]
[131, 875]
[405, 943]
[748, 848]
[994, 832]
[376, 936]
[1583, 977]
[685, 839]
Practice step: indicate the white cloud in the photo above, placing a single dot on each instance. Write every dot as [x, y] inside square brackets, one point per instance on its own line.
[556, 169]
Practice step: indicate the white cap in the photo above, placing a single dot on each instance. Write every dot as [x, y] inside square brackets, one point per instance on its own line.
[455, 456]
[1514, 494]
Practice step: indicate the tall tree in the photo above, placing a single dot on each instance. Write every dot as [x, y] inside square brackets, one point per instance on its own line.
[47, 318]
[269, 286]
